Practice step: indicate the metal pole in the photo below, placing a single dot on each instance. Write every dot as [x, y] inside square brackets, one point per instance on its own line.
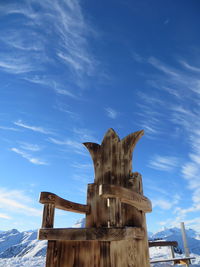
[172, 251]
[187, 253]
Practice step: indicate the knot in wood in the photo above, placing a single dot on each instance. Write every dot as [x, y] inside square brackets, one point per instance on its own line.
[51, 197]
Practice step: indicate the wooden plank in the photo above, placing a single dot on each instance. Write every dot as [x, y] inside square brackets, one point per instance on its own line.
[88, 234]
[48, 216]
[98, 216]
[63, 204]
[173, 259]
[126, 196]
[163, 244]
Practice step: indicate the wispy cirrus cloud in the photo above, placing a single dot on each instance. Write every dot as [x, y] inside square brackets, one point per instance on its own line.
[4, 216]
[27, 49]
[53, 84]
[64, 92]
[39, 129]
[18, 202]
[84, 134]
[188, 120]
[29, 157]
[9, 128]
[67, 110]
[166, 204]
[111, 113]
[181, 110]
[189, 67]
[163, 67]
[86, 166]
[151, 117]
[15, 65]
[77, 146]
[30, 147]
[163, 163]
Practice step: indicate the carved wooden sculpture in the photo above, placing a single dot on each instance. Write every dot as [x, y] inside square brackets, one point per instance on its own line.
[115, 233]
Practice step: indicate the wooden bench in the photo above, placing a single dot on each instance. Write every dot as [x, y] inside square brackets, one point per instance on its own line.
[171, 244]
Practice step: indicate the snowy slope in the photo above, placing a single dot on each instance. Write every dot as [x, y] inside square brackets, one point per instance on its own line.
[24, 244]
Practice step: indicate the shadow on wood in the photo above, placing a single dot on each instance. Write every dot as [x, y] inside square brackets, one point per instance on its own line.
[115, 233]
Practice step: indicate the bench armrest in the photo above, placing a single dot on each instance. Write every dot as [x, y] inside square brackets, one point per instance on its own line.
[52, 201]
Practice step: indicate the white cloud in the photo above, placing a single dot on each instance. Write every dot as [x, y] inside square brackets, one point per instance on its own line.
[64, 92]
[84, 134]
[32, 128]
[111, 113]
[15, 65]
[68, 142]
[163, 163]
[9, 128]
[166, 204]
[30, 147]
[162, 67]
[4, 216]
[16, 201]
[65, 108]
[53, 84]
[86, 166]
[180, 111]
[26, 49]
[161, 203]
[77, 147]
[149, 129]
[29, 157]
[189, 67]
[151, 118]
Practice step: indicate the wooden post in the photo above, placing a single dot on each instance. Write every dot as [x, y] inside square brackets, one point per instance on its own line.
[172, 251]
[48, 216]
[115, 233]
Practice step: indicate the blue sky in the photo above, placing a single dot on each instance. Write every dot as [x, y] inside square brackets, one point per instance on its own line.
[69, 70]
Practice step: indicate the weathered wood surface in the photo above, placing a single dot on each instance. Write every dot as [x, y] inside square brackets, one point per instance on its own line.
[113, 166]
[63, 204]
[163, 243]
[48, 216]
[94, 254]
[126, 195]
[88, 234]
[113, 158]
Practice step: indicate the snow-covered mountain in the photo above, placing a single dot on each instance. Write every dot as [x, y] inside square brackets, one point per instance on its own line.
[21, 244]
[25, 244]
[174, 234]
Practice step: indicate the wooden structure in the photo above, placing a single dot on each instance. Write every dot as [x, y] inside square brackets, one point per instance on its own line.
[182, 261]
[115, 233]
[186, 260]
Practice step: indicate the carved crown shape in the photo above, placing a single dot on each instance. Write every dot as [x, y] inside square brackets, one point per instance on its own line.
[113, 158]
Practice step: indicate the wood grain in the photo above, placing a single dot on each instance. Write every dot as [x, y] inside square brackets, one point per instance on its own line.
[126, 196]
[88, 234]
[48, 216]
[63, 204]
